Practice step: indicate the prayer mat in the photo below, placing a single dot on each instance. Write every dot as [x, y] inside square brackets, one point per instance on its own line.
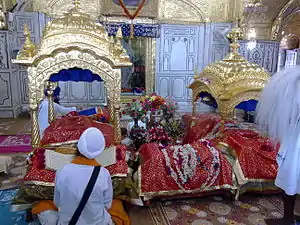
[16, 171]
[12, 144]
[7, 216]
[250, 210]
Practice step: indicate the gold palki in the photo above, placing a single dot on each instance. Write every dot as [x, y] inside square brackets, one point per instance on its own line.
[230, 81]
[74, 40]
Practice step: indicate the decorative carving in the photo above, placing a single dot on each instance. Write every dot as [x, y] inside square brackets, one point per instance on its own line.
[3, 51]
[277, 24]
[263, 53]
[2, 18]
[29, 49]
[5, 92]
[165, 11]
[76, 41]
[231, 80]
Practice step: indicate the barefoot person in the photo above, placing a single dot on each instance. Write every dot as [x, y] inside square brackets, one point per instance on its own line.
[73, 203]
[278, 114]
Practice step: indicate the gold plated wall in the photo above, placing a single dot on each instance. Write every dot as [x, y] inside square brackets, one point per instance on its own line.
[168, 11]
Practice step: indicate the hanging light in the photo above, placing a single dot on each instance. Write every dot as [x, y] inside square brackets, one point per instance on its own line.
[253, 3]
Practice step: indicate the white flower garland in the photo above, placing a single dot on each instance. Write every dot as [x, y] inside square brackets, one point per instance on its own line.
[189, 163]
[215, 166]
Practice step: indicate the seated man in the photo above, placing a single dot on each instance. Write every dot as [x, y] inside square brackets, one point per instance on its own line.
[58, 109]
[71, 186]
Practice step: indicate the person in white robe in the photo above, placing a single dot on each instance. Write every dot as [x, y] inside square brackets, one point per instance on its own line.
[278, 114]
[72, 181]
[58, 110]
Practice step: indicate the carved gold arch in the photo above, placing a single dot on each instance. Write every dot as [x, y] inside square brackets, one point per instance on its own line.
[227, 107]
[198, 89]
[45, 66]
[277, 24]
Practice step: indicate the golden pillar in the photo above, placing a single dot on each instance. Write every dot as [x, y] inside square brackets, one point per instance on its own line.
[50, 92]
[35, 131]
[117, 123]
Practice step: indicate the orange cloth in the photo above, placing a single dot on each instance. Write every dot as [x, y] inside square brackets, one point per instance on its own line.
[43, 206]
[117, 212]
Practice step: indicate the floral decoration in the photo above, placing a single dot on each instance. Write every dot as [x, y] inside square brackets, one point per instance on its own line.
[138, 137]
[185, 160]
[158, 134]
[174, 128]
[134, 109]
[169, 108]
[153, 102]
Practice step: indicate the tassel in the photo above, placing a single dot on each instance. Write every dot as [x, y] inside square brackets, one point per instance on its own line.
[131, 30]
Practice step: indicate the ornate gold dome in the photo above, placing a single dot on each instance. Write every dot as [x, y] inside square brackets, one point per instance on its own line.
[76, 30]
[75, 21]
[232, 75]
[232, 80]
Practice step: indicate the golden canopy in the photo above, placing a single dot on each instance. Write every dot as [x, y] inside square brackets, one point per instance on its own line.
[74, 40]
[230, 81]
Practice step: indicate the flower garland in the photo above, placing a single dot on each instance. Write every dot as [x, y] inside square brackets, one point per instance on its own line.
[132, 16]
[185, 157]
[214, 169]
[185, 160]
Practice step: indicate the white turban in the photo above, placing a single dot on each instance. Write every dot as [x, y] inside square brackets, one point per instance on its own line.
[91, 143]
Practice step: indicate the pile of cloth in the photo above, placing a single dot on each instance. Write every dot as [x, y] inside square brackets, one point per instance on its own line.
[63, 134]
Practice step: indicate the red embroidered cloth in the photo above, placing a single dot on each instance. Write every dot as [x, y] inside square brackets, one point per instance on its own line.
[38, 173]
[156, 179]
[70, 128]
[256, 154]
[204, 124]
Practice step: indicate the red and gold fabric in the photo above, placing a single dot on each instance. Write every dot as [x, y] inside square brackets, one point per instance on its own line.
[155, 179]
[39, 175]
[68, 129]
[256, 154]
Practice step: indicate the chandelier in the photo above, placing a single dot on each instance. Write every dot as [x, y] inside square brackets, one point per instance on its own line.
[253, 3]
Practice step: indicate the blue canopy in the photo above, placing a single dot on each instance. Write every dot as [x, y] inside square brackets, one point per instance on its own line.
[249, 106]
[75, 74]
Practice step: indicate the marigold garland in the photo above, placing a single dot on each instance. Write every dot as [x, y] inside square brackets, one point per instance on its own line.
[132, 16]
[136, 13]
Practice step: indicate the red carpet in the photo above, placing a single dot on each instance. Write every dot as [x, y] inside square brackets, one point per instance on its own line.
[10, 144]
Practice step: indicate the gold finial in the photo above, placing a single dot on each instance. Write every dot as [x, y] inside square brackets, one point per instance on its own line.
[76, 3]
[196, 73]
[119, 37]
[29, 49]
[119, 34]
[235, 35]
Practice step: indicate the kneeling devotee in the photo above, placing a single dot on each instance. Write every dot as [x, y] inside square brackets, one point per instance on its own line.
[278, 113]
[58, 109]
[83, 190]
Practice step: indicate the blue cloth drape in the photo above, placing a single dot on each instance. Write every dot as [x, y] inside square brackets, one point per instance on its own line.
[140, 30]
[249, 106]
[75, 74]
